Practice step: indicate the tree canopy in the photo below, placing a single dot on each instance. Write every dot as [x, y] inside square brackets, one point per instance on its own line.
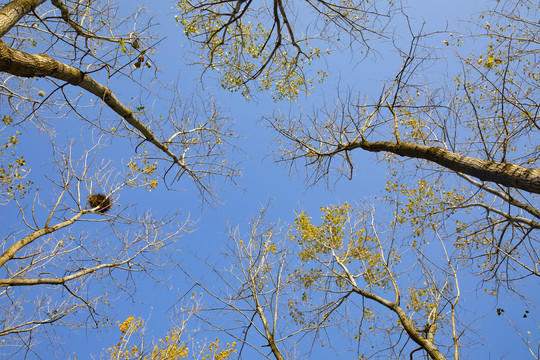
[95, 134]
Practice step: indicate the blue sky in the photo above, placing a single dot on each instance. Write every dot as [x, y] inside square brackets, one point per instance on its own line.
[264, 180]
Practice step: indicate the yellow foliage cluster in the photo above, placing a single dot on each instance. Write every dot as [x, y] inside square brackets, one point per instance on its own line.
[130, 325]
[12, 170]
[171, 347]
[241, 52]
[419, 300]
[343, 235]
[213, 351]
[141, 172]
[423, 203]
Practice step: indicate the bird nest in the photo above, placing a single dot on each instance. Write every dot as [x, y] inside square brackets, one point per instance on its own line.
[100, 201]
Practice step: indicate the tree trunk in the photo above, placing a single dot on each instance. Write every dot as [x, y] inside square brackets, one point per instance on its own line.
[14, 11]
[510, 175]
[22, 64]
[19, 63]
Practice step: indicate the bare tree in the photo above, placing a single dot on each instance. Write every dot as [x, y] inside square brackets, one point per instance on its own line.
[249, 300]
[68, 228]
[482, 134]
[74, 235]
[88, 46]
[270, 45]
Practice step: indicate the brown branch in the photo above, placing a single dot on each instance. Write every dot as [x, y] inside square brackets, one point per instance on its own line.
[62, 280]
[510, 175]
[22, 64]
[10, 253]
[407, 324]
[510, 200]
[13, 11]
[65, 14]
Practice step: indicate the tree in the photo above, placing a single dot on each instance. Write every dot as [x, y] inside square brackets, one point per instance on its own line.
[69, 242]
[462, 159]
[383, 278]
[61, 61]
[87, 42]
[349, 275]
[269, 45]
[133, 345]
[484, 131]
[248, 298]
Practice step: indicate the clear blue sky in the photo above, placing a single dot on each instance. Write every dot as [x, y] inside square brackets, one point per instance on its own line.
[264, 180]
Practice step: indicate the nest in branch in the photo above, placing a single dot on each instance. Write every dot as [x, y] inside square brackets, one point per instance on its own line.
[100, 201]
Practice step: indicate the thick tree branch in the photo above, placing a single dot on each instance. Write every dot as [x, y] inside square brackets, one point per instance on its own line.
[19, 63]
[408, 325]
[268, 332]
[62, 280]
[510, 175]
[13, 11]
[12, 250]
[254, 293]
